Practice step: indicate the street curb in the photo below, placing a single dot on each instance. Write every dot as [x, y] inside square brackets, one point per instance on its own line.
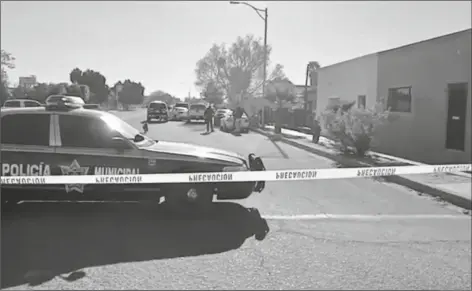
[435, 192]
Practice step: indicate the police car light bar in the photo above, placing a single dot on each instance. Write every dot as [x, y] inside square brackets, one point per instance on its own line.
[63, 104]
[243, 176]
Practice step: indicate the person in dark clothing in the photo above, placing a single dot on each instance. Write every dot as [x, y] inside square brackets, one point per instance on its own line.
[238, 113]
[145, 127]
[209, 112]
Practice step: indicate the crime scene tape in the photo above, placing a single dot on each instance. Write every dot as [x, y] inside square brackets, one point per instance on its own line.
[242, 176]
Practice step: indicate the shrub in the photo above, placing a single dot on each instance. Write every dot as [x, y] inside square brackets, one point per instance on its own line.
[354, 128]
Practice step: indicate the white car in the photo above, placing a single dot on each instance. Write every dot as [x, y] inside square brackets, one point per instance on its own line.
[179, 112]
[196, 112]
[21, 103]
[227, 122]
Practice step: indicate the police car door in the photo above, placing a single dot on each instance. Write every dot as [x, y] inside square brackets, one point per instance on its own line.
[86, 146]
[27, 139]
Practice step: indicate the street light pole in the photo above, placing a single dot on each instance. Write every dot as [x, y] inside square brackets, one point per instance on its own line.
[264, 69]
[265, 65]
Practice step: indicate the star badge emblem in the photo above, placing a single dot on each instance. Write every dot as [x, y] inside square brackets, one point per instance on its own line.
[74, 170]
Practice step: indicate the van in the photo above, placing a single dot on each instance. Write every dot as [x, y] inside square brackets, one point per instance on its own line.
[157, 110]
[196, 112]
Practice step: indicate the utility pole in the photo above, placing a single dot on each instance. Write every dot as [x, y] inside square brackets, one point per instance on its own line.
[265, 17]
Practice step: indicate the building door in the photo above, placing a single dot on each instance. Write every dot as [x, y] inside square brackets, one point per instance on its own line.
[456, 116]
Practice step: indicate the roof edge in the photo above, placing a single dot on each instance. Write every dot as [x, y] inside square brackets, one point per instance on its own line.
[400, 47]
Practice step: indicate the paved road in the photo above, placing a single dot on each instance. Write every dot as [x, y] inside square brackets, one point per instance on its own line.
[338, 234]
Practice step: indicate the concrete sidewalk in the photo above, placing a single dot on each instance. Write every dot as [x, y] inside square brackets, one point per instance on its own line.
[454, 188]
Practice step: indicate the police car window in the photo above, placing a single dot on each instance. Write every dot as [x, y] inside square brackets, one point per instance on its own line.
[12, 104]
[26, 129]
[84, 132]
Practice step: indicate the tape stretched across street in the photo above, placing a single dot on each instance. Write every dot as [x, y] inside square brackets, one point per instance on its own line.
[243, 176]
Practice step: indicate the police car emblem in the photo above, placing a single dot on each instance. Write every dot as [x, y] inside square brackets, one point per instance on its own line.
[72, 170]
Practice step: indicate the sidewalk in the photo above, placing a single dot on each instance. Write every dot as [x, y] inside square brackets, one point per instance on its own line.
[451, 187]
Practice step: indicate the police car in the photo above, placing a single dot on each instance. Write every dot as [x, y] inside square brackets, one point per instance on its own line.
[67, 139]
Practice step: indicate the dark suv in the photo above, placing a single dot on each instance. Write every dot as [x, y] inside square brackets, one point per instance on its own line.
[157, 110]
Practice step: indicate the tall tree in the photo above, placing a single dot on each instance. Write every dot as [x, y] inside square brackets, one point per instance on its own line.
[237, 69]
[131, 93]
[160, 95]
[7, 62]
[212, 94]
[94, 80]
[280, 90]
[75, 76]
[313, 68]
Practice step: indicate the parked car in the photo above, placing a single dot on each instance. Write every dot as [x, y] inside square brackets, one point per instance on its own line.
[220, 113]
[196, 112]
[180, 111]
[157, 110]
[21, 103]
[68, 140]
[227, 122]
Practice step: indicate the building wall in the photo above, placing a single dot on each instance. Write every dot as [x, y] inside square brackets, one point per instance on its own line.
[427, 67]
[27, 82]
[347, 80]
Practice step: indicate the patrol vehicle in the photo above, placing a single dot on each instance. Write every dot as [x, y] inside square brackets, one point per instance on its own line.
[67, 139]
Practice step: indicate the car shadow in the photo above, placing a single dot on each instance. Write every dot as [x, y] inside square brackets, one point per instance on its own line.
[156, 121]
[193, 123]
[43, 241]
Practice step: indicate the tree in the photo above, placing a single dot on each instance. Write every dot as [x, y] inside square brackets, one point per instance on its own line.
[212, 94]
[161, 96]
[74, 90]
[234, 69]
[75, 76]
[19, 93]
[94, 80]
[280, 90]
[7, 62]
[132, 93]
[40, 92]
[313, 68]
[4, 93]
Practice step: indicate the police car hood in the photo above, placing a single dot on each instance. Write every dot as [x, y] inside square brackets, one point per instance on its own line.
[196, 151]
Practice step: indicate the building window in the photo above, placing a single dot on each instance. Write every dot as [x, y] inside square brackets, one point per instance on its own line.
[361, 99]
[399, 99]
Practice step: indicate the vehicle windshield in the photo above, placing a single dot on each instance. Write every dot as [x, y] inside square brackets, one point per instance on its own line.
[157, 106]
[126, 130]
[181, 105]
[198, 107]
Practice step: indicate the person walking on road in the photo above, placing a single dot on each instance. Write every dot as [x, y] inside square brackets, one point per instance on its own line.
[145, 127]
[208, 114]
[238, 113]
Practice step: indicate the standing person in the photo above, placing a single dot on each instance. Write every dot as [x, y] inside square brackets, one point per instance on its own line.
[209, 118]
[238, 113]
[145, 127]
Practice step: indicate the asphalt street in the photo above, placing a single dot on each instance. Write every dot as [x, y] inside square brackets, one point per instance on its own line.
[333, 234]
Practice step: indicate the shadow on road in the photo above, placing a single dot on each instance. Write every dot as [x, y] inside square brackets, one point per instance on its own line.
[281, 151]
[42, 241]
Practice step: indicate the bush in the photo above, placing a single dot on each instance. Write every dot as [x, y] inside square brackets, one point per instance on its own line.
[354, 128]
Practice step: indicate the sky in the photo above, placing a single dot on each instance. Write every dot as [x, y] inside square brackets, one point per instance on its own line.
[159, 43]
